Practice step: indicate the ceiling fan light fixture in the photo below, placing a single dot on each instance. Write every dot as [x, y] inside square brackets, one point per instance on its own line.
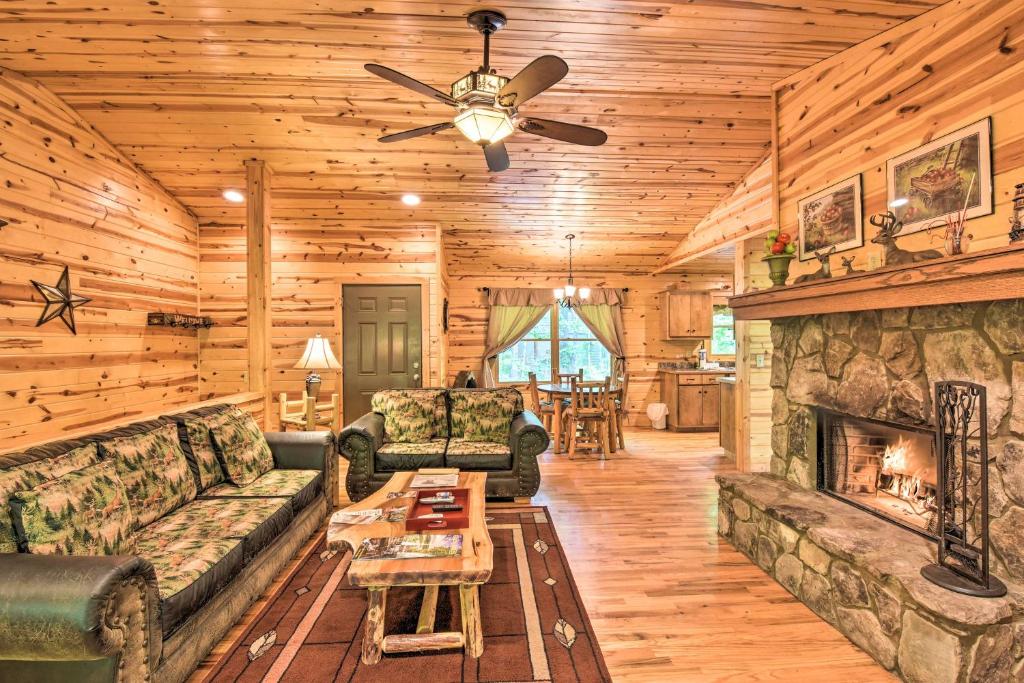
[584, 292]
[484, 125]
[559, 293]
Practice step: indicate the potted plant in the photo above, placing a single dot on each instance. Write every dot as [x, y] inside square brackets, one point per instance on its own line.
[779, 251]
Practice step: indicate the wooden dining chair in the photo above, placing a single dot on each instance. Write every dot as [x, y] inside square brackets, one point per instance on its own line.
[546, 409]
[307, 415]
[587, 417]
[617, 411]
[565, 377]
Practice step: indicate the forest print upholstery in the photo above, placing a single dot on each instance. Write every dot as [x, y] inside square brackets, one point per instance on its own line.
[411, 415]
[85, 512]
[154, 470]
[432, 447]
[29, 475]
[483, 415]
[180, 559]
[197, 431]
[466, 447]
[242, 449]
[280, 483]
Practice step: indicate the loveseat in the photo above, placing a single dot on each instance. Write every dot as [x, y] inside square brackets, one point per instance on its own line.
[470, 429]
[127, 555]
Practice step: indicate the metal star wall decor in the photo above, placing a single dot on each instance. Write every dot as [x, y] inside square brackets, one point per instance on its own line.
[60, 302]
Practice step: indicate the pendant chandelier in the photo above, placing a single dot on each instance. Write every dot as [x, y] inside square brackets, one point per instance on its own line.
[569, 293]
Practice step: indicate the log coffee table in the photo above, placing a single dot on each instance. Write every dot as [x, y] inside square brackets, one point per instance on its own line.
[467, 572]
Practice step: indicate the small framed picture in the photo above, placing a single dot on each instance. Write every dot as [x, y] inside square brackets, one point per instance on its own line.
[943, 177]
[832, 217]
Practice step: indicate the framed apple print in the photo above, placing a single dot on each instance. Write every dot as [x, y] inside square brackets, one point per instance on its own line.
[946, 175]
[830, 218]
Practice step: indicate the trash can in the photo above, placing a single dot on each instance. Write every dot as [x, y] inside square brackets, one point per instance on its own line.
[658, 414]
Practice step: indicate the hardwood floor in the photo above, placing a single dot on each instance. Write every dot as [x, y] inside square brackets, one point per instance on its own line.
[669, 600]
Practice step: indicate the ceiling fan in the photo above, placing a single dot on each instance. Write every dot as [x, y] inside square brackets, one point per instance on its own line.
[488, 103]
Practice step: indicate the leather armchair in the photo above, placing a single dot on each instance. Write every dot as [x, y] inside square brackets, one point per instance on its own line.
[55, 610]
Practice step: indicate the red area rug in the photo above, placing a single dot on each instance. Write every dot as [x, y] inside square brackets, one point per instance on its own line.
[535, 626]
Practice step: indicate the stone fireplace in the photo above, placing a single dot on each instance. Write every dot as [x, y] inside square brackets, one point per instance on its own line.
[884, 468]
[846, 519]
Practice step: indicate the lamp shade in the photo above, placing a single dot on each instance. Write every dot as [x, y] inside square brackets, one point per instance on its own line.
[318, 356]
[484, 125]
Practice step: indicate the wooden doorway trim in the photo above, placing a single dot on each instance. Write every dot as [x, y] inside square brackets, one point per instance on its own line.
[424, 285]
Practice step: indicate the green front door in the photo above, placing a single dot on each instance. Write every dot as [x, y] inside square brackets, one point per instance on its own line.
[382, 329]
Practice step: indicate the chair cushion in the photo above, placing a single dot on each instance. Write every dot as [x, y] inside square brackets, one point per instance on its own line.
[405, 457]
[189, 570]
[483, 415]
[242, 449]
[154, 471]
[301, 486]
[412, 415]
[198, 445]
[478, 455]
[257, 521]
[29, 473]
[85, 512]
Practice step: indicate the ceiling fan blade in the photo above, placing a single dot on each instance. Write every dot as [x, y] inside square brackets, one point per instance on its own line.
[408, 82]
[416, 132]
[497, 157]
[535, 78]
[566, 132]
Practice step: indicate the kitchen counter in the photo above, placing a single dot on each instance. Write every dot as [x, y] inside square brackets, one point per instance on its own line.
[697, 371]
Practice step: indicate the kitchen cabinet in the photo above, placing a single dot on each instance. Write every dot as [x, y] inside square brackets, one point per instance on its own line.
[693, 399]
[686, 315]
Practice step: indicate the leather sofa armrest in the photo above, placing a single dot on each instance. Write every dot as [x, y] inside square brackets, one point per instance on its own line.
[365, 435]
[301, 450]
[527, 439]
[358, 443]
[74, 608]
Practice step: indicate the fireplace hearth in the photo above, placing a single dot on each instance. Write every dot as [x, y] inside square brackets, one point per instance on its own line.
[884, 468]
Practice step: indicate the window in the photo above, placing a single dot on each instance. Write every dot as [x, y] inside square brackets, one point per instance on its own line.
[569, 342]
[723, 334]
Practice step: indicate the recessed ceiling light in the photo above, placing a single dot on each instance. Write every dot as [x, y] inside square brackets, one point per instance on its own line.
[234, 196]
[411, 199]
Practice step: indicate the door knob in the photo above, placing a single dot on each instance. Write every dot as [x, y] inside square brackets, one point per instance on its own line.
[416, 377]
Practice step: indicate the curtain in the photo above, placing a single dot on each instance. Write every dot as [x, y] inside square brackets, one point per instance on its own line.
[602, 314]
[513, 313]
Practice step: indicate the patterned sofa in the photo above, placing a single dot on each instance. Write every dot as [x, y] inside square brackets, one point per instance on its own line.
[471, 429]
[127, 555]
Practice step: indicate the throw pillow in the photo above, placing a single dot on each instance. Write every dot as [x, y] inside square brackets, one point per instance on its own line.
[154, 471]
[410, 415]
[31, 474]
[86, 512]
[204, 456]
[242, 449]
[482, 415]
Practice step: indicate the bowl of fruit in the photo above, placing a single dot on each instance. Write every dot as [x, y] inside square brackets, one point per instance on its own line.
[779, 251]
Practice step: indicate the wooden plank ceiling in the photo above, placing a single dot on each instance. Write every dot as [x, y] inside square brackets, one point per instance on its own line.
[191, 88]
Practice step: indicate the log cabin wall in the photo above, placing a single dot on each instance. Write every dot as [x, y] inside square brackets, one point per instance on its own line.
[314, 253]
[925, 78]
[645, 347]
[71, 199]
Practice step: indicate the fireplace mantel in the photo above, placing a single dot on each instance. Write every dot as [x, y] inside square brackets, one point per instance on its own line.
[991, 275]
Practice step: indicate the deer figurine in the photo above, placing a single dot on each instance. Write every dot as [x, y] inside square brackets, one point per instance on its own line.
[888, 227]
[848, 264]
[824, 272]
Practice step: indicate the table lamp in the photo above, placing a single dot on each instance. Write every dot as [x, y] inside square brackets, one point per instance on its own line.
[317, 356]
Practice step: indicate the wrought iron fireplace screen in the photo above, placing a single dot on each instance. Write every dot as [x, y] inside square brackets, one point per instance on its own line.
[885, 468]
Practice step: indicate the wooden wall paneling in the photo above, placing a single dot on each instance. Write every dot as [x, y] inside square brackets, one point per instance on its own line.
[951, 67]
[258, 273]
[642, 317]
[71, 199]
[190, 90]
[745, 212]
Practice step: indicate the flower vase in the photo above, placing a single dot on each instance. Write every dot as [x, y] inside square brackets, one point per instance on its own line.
[778, 268]
[955, 246]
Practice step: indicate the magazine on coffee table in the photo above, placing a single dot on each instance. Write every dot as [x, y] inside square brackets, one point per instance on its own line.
[434, 481]
[409, 547]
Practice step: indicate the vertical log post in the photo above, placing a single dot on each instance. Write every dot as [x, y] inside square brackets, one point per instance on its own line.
[257, 231]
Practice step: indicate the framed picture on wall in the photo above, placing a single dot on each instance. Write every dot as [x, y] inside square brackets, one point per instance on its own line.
[935, 180]
[832, 217]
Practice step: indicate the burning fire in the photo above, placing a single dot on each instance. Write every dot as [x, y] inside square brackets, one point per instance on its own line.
[910, 478]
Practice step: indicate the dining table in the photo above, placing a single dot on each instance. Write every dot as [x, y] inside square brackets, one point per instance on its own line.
[558, 393]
